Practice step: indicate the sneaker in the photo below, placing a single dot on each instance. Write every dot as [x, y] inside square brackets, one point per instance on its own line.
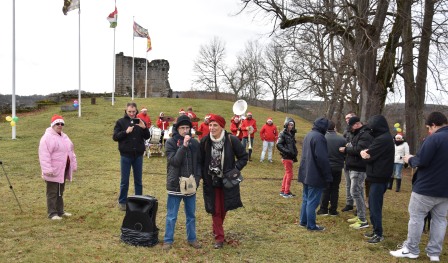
[167, 246]
[333, 213]
[66, 214]
[122, 207]
[195, 244]
[403, 253]
[56, 217]
[218, 245]
[270, 161]
[302, 225]
[291, 194]
[282, 194]
[353, 220]
[347, 208]
[369, 235]
[321, 212]
[360, 224]
[433, 258]
[317, 228]
[288, 195]
[375, 239]
[261, 161]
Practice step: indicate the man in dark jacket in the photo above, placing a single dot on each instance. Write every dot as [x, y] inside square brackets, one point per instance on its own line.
[314, 173]
[429, 191]
[286, 145]
[357, 169]
[131, 144]
[221, 153]
[348, 135]
[183, 161]
[331, 193]
[380, 163]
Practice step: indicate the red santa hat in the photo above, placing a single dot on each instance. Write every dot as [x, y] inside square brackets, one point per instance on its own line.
[269, 119]
[144, 109]
[181, 111]
[56, 119]
[220, 120]
[249, 113]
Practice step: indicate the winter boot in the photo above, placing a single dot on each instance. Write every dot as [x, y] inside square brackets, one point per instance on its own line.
[398, 185]
[390, 184]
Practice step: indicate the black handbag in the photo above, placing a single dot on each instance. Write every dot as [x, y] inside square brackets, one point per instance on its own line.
[232, 178]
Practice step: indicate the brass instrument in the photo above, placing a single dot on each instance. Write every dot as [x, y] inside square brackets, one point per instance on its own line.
[250, 130]
[239, 108]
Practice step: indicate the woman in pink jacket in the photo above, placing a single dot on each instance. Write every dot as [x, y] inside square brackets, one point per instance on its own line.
[57, 161]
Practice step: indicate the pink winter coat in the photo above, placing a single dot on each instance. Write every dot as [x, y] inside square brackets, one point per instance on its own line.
[53, 152]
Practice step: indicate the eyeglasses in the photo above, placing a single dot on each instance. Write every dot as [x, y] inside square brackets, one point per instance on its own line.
[59, 124]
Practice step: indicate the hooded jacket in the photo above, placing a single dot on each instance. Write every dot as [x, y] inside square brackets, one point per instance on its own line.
[314, 167]
[54, 149]
[132, 144]
[380, 165]
[286, 143]
[181, 161]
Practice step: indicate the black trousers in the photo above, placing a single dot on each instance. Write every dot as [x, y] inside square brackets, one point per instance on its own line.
[331, 194]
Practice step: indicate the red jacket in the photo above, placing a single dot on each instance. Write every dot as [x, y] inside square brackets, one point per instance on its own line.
[192, 115]
[269, 133]
[145, 118]
[204, 129]
[234, 129]
[162, 124]
[246, 123]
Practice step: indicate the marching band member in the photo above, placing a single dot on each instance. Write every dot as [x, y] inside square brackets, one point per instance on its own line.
[249, 128]
[269, 135]
[235, 125]
[192, 116]
[163, 124]
[143, 115]
[203, 129]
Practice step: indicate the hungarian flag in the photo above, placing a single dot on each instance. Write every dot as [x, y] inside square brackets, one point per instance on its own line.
[149, 44]
[112, 18]
[139, 31]
[70, 5]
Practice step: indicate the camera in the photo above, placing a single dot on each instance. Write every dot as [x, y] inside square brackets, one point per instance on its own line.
[215, 172]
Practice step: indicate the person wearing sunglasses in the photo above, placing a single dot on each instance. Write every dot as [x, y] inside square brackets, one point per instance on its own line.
[58, 162]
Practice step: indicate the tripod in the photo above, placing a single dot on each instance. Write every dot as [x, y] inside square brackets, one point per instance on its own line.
[10, 186]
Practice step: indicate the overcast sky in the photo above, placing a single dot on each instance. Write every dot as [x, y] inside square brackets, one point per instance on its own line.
[47, 41]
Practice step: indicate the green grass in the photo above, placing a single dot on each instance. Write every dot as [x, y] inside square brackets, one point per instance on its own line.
[265, 230]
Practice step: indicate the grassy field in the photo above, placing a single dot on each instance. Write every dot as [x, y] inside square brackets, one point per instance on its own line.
[265, 230]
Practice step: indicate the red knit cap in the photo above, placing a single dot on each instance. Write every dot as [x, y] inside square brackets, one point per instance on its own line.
[220, 120]
[56, 119]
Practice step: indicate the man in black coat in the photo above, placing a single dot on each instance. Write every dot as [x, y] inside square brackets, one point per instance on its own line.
[131, 138]
[380, 162]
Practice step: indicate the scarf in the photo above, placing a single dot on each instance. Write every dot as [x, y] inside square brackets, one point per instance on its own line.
[217, 154]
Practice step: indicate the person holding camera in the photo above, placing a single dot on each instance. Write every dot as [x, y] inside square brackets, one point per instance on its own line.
[286, 145]
[183, 175]
[222, 153]
[130, 133]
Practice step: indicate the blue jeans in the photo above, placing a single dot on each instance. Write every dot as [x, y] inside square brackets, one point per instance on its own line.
[419, 206]
[311, 199]
[172, 208]
[398, 167]
[126, 163]
[246, 141]
[376, 197]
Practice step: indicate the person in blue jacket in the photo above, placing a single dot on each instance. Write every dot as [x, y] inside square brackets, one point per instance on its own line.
[429, 191]
[314, 173]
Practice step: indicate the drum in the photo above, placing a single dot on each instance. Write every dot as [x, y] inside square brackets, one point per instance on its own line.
[156, 134]
[166, 134]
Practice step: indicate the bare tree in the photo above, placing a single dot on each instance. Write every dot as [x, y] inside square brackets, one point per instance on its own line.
[209, 65]
[237, 77]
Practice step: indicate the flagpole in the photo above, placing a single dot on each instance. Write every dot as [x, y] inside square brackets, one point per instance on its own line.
[146, 74]
[133, 57]
[79, 61]
[113, 74]
[13, 96]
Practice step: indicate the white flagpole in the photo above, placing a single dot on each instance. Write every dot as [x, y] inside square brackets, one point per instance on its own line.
[133, 57]
[113, 74]
[13, 97]
[146, 74]
[79, 61]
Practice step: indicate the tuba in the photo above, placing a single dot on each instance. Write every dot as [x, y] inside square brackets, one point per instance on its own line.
[239, 108]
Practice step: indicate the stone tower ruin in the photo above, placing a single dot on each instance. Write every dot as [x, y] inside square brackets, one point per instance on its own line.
[157, 79]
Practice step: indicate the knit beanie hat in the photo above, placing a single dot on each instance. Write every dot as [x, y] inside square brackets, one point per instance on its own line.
[220, 120]
[183, 120]
[56, 119]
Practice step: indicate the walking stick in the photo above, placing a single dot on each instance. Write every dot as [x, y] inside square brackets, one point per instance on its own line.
[10, 186]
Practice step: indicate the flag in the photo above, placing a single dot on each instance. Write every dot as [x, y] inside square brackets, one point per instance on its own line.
[70, 5]
[112, 18]
[140, 31]
[149, 44]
